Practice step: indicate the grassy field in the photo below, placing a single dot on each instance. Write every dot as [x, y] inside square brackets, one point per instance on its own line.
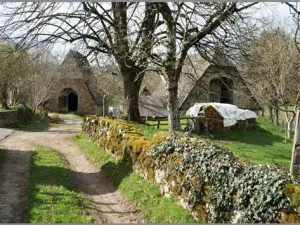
[151, 131]
[145, 195]
[52, 198]
[264, 145]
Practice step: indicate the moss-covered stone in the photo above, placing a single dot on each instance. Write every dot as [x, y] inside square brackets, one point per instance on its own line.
[290, 218]
[179, 172]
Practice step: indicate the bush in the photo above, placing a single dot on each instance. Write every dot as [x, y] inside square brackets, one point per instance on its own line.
[206, 179]
[25, 115]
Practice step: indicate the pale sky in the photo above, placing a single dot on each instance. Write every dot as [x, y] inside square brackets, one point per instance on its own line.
[275, 11]
[280, 13]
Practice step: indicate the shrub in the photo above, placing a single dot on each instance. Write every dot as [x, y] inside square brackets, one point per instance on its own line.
[25, 115]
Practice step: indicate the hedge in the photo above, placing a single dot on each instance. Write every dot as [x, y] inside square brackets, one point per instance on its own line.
[209, 181]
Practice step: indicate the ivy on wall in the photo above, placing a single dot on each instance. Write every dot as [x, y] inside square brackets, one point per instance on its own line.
[206, 179]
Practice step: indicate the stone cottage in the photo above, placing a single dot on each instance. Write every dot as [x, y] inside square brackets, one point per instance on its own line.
[215, 80]
[75, 90]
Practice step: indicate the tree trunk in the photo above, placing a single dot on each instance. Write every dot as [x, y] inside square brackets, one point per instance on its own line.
[262, 112]
[4, 100]
[290, 127]
[294, 169]
[276, 116]
[271, 114]
[173, 111]
[4, 104]
[132, 88]
[289, 130]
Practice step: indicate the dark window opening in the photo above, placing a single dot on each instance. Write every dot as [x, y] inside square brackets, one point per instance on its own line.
[220, 90]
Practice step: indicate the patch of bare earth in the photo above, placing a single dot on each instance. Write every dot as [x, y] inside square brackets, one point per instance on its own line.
[107, 205]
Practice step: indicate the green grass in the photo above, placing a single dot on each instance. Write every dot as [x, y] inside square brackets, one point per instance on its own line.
[34, 125]
[78, 116]
[52, 198]
[145, 195]
[148, 131]
[151, 131]
[265, 145]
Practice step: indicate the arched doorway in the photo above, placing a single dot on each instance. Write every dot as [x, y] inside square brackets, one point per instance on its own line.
[220, 90]
[68, 100]
[72, 101]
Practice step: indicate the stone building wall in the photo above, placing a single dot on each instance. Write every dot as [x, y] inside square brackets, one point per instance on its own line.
[86, 103]
[200, 93]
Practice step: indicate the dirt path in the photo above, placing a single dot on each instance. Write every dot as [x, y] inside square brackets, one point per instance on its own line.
[107, 204]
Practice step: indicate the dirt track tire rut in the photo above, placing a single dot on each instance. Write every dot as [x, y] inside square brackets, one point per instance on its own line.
[107, 205]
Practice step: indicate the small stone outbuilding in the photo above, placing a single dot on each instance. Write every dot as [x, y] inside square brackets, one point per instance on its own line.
[215, 80]
[75, 89]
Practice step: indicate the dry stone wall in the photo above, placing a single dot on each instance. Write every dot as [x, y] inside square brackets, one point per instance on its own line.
[8, 118]
[207, 180]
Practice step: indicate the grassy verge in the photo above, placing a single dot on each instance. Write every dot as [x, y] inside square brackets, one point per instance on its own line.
[145, 195]
[52, 198]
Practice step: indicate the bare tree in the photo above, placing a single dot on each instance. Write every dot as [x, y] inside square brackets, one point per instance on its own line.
[41, 80]
[189, 25]
[274, 72]
[14, 66]
[119, 29]
[295, 12]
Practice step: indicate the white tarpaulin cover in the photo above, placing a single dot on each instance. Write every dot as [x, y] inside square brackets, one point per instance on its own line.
[230, 113]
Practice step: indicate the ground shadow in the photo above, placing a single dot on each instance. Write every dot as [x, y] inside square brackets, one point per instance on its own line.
[257, 136]
[14, 174]
[118, 171]
[87, 183]
[56, 128]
